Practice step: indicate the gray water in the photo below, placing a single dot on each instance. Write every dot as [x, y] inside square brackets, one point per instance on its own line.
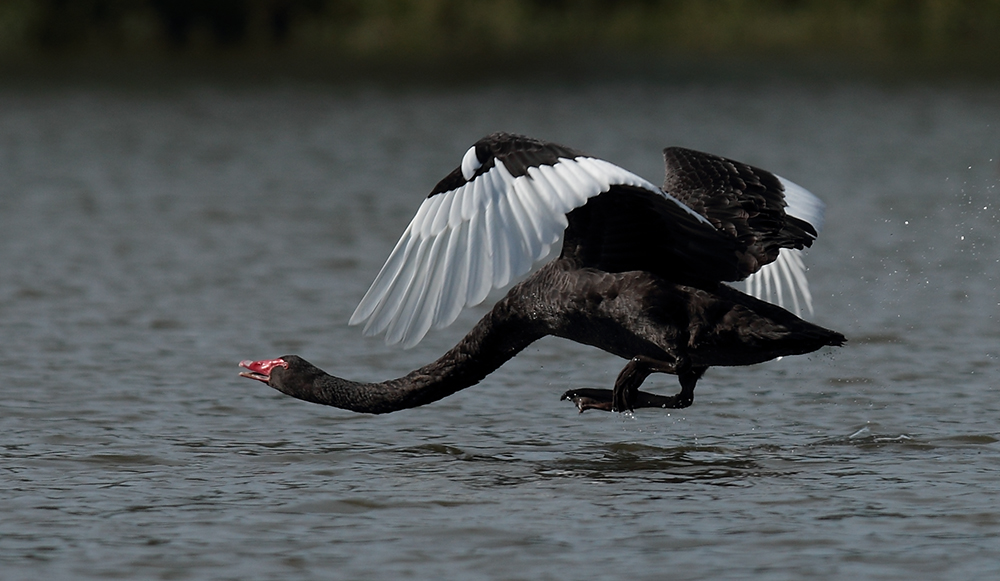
[151, 238]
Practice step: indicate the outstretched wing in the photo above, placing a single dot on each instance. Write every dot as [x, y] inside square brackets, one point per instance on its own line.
[485, 223]
[771, 216]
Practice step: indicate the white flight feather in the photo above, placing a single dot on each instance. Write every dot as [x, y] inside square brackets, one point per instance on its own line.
[452, 297]
[443, 210]
[385, 311]
[479, 277]
[522, 215]
[414, 315]
[401, 313]
[529, 212]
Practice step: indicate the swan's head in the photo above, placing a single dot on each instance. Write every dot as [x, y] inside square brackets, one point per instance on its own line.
[289, 374]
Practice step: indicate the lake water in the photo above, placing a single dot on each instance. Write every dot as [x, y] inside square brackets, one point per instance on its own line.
[153, 237]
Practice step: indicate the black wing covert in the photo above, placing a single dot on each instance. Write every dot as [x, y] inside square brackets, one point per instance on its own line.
[743, 201]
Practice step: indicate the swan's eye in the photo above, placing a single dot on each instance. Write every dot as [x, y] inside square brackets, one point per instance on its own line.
[470, 163]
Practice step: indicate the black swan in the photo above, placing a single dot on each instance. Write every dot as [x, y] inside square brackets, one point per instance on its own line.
[640, 274]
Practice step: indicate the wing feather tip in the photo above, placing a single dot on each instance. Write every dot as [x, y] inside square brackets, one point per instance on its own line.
[786, 273]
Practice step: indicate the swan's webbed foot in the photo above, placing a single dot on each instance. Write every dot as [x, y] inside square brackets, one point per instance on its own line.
[589, 399]
[601, 399]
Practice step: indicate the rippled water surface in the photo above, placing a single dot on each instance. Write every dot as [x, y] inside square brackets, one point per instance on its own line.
[152, 238]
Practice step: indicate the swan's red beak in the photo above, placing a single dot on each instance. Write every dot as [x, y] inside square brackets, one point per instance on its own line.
[261, 370]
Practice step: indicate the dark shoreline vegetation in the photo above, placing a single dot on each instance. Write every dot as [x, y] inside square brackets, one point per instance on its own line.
[957, 37]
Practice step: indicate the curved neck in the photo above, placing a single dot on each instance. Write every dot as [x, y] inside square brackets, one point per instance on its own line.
[499, 336]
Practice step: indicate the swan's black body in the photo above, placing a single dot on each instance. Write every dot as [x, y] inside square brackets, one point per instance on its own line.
[638, 277]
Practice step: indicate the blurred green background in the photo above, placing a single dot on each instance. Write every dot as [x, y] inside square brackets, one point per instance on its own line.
[932, 35]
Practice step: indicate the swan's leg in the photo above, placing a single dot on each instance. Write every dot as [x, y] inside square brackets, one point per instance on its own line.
[633, 373]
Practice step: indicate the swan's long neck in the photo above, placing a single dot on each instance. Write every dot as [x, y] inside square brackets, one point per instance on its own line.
[499, 336]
